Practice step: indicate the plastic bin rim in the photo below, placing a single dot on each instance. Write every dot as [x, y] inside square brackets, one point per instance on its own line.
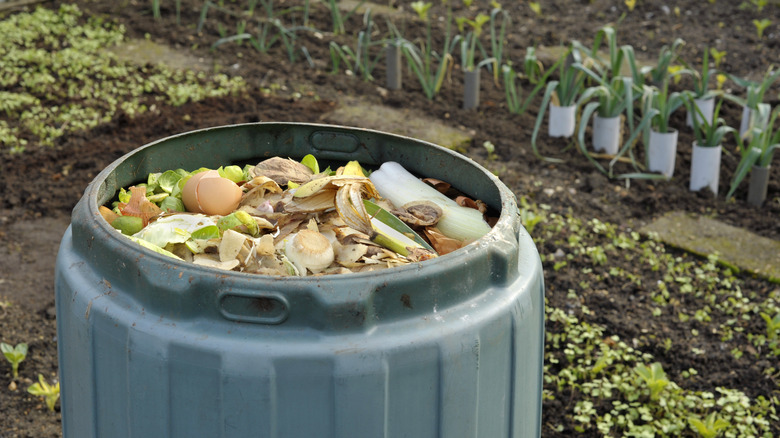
[504, 224]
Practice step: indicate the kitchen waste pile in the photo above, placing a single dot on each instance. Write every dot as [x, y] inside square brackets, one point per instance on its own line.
[285, 217]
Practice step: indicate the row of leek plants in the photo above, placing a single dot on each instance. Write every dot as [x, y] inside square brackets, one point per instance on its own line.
[586, 87]
[596, 89]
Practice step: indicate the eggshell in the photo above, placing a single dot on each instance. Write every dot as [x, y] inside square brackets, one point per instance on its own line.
[217, 196]
[188, 192]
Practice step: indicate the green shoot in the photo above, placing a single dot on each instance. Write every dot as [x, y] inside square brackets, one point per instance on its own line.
[15, 355]
[761, 25]
[654, 377]
[490, 148]
[759, 4]
[50, 393]
[717, 56]
[536, 7]
[772, 325]
[710, 427]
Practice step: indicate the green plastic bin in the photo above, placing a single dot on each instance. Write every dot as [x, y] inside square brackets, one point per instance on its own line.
[152, 347]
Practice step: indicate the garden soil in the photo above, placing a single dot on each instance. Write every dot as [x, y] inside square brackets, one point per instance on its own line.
[39, 188]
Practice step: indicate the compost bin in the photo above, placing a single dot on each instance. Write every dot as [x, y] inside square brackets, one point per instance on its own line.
[153, 347]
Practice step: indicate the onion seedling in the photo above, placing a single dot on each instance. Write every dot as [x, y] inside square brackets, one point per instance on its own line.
[561, 92]
[665, 102]
[707, 134]
[497, 37]
[763, 140]
[421, 58]
[468, 45]
[338, 18]
[534, 72]
[755, 90]
[660, 72]
[359, 59]
[701, 79]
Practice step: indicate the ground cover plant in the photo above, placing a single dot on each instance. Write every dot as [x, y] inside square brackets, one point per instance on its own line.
[642, 339]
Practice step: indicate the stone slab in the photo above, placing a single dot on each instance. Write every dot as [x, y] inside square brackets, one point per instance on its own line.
[364, 114]
[142, 51]
[734, 246]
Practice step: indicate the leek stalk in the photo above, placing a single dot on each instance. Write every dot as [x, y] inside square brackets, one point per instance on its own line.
[400, 187]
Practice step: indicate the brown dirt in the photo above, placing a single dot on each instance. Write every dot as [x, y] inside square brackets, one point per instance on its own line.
[41, 186]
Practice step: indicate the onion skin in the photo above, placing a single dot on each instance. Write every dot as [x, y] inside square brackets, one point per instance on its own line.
[311, 250]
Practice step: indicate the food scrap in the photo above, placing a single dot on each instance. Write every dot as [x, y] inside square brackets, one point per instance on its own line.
[284, 217]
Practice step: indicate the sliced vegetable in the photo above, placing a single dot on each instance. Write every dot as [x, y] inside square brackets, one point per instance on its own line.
[400, 187]
[309, 250]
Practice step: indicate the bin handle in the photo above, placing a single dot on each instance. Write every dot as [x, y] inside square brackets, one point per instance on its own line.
[334, 141]
[257, 308]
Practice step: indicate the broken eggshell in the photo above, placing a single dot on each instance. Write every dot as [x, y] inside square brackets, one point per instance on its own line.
[207, 192]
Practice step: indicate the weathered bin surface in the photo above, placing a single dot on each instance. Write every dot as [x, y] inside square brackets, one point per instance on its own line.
[151, 347]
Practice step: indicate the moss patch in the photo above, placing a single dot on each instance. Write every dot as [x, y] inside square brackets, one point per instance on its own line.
[734, 246]
[358, 112]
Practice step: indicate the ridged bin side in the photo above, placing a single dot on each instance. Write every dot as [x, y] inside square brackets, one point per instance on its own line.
[448, 348]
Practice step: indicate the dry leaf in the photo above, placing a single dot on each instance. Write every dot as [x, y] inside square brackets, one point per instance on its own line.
[282, 170]
[441, 243]
[438, 184]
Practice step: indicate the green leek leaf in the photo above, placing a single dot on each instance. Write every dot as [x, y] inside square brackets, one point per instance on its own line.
[393, 222]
